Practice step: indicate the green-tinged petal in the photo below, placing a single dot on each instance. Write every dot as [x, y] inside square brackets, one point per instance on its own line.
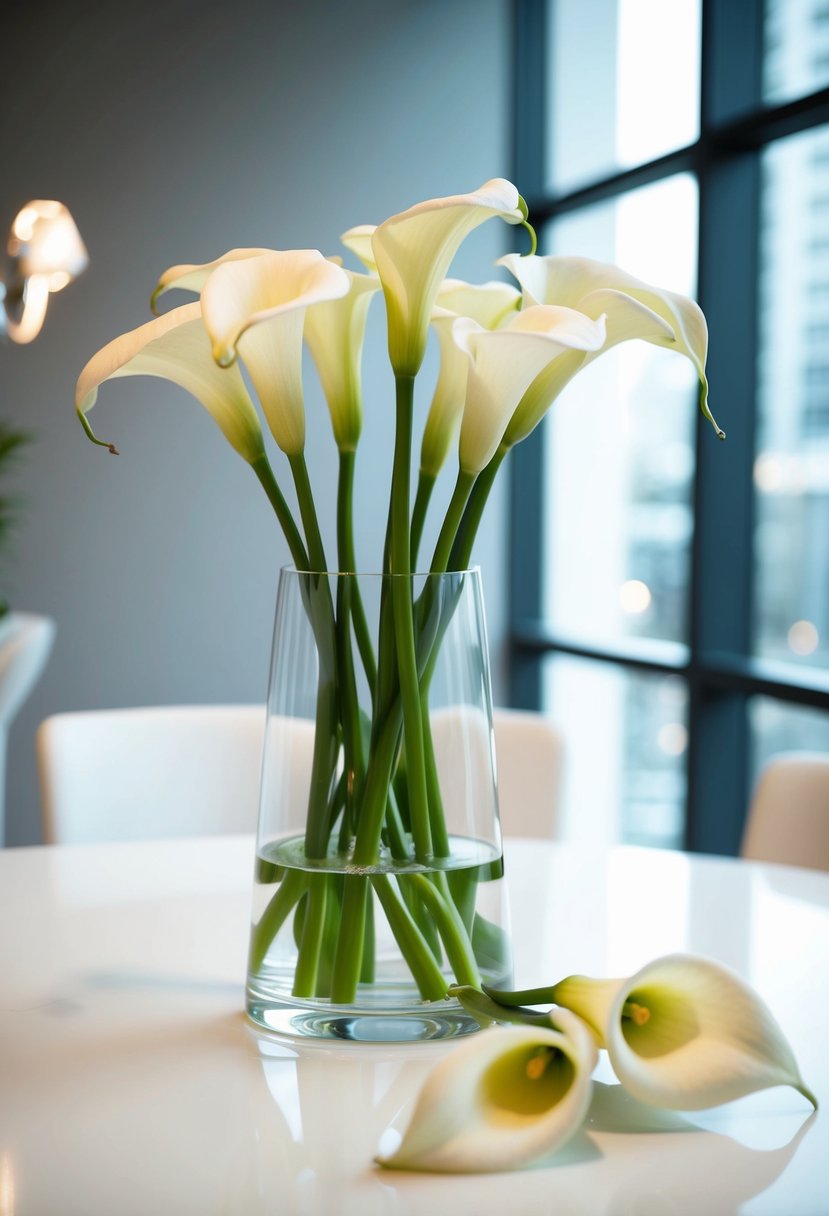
[574, 282]
[490, 304]
[503, 364]
[501, 1099]
[445, 411]
[358, 240]
[413, 251]
[256, 307]
[176, 348]
[334, 332]
[687, 1033]
[192, 277]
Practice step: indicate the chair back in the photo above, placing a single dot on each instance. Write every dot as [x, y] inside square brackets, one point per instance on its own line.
[788, 820]
[528, 751]
[126, 774]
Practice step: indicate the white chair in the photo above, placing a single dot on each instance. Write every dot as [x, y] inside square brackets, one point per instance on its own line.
[126, 774]
[528, 750]
[25, 643]
[788, 820]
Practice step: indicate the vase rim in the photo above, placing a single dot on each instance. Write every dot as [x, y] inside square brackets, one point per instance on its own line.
[290, 568]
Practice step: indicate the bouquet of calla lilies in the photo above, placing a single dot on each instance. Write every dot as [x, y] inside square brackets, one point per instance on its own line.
[506, 352]
[684, 1033]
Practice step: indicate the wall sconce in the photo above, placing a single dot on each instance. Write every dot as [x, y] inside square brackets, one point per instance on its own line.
[45, 253]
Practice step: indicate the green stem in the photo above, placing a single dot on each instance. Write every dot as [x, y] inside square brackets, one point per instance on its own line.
[425, 971]
[449, 530]
[349, 704]
[435, 894]
[425, 485]
[307, 510]
[525, 996]
[404, 620]
[264, 472]
[348, 957]
[468, 530]
[348, 563]
[266, 928]
[308, 959]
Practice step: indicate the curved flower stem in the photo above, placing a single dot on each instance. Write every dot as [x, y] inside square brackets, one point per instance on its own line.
[449, 530]
[404, 621]
[264, 472]
[425, 485]
[307, 510]
[348, 562]
[435, 894]
[468, 530]
[347, 593]
[427, 974]
[287, 895]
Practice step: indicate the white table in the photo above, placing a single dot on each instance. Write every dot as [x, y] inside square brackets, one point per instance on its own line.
[130, 1084]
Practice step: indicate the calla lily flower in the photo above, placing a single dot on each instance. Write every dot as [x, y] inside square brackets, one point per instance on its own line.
[334, 333]
[413, 251]
[501, 1099]
[176, 347]
[504, 362]
[684, 1033]
[490, 304]
[358, 240]
[633, 310]
[191, 277]
[255, 307]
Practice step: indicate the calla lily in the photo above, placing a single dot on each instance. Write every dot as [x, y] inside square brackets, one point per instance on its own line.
[633, 310]
[176, 347]
[501, 1099]
[255, 307]
[334, 332]
[504, 362]
[192, 277]
[490, 304]
[358, 240]
[684, 1033]
[413, 251]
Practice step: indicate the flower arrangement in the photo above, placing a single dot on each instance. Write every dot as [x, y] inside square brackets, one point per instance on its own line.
[506, 352]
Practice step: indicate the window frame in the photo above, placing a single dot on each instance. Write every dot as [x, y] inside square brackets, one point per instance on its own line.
[717, 665]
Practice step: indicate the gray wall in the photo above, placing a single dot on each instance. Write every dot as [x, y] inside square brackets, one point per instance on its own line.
[174, 132]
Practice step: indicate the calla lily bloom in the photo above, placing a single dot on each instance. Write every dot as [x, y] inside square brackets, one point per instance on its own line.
[190, 277]
[503, 1098]
[176, 347]
[504, 362]
[255, 307]
[684, 1033]
[358, 240]
[413, 251]
[633, 310]
[334, 333]
[490, 304]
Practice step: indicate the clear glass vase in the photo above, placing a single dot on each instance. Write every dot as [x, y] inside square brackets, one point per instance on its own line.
[379, 867]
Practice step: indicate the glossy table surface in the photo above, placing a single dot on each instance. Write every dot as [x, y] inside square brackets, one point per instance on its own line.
[130, 1082]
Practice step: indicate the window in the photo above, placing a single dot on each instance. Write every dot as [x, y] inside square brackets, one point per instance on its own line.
[670, 594]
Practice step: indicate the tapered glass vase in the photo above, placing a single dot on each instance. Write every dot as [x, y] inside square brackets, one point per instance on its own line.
[379, 868]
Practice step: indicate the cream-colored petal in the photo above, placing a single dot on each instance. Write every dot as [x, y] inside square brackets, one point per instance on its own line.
[192, 277]
[591, 999]
[504, 363]
[413, 251]
[501, 1099]
[490, 304]
[706, 1037]
[573, 281]
[334, 332]
[358, 240]
[447, 404]
[176, 347]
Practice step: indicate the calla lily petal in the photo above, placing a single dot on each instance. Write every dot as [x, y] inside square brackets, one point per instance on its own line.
[574, 281]
[176, 348]
[358, 240]
[490, 304]
[413, 251]
[256, 307]
[191, 277]
[334, 332]
[504, 362]
[503, 1098]
[685, 1033]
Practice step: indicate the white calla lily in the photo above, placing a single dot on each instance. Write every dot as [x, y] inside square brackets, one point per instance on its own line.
[501, 1099]
[490, 304]
[633, 309]
[176, 347]
[504, 362]
[334, 332]
[192, 277]
[413, 251]
[255, 307]
[358, 241]
[684, 1033]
